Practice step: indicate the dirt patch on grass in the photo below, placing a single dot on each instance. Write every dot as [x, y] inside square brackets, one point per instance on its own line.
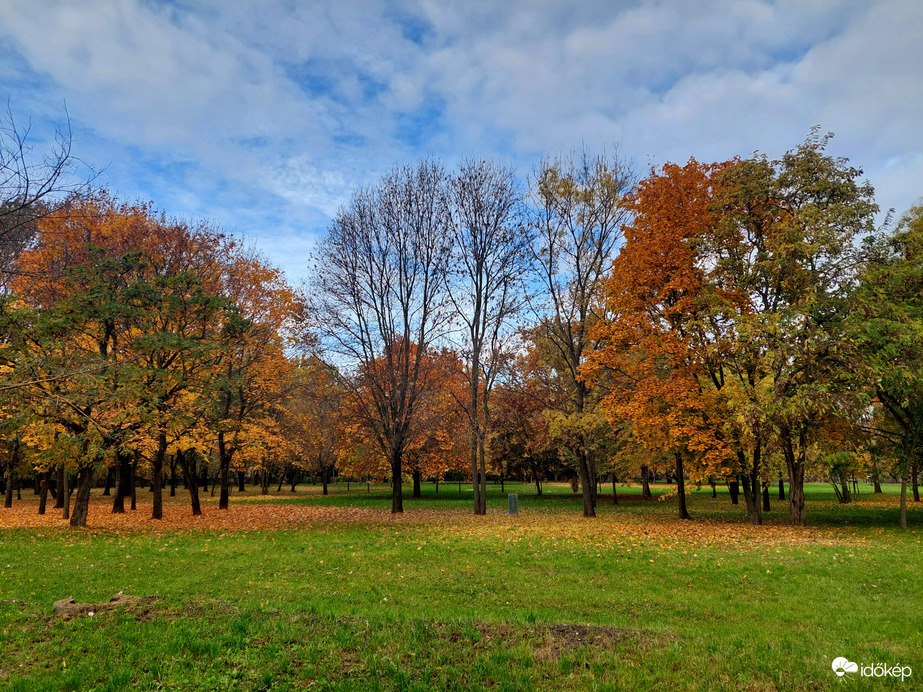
[549, 642]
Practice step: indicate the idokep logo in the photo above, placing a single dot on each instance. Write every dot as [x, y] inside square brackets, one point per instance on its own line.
[843, 667]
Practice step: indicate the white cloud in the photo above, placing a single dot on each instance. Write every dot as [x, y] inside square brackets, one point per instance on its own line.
[269, 113]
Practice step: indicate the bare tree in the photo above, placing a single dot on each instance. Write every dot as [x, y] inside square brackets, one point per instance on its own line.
[379, 300]
[491, 254]
[30, 184]
[578, 212]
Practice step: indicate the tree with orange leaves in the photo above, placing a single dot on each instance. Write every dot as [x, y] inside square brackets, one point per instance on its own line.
[657, 336]
[433, 444]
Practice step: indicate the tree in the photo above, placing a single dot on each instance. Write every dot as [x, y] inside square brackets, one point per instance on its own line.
[379, 300]
[578, 212]
[312, 417]
[31, 186]
[486, 285]
[887, 325]
[786, 262]
[526, 393]
[248, 382]
[658, 348]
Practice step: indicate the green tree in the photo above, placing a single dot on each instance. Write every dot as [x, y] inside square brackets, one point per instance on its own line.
[888, 327]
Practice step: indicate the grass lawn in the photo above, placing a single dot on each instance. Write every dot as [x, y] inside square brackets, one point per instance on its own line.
[345, 597]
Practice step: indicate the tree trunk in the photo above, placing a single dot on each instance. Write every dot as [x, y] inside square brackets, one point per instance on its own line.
[43, 495]
[324, 477]
[482, 456]
[781, 488]
[65, 493]
[734, 489]
[795, 465]
[535, 477]
[264, 482]
[903, 519]
[82, 502]
[680, 486]
[11, 471]
[416, 483]
[645, 483]
[187, 463]
[714, 489]
[844, 490]
[224, 467]
[107, 486]
[122, 482]
[475, 477]
[766, 497]
[134, 481]
[59, 500]
[157, 475]
[751, 483]
[615, 495]
[241, 486]
[583, 471]
[173, 476]
[751, 498]
[914, 481]
[397, 499]
[281, 481]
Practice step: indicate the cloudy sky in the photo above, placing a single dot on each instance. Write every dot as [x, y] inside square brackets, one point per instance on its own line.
[265, 115]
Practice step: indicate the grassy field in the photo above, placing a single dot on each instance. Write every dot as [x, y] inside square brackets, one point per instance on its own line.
[437, 599]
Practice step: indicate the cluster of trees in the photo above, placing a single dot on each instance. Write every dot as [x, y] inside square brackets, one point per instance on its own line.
[727, 322]
[716, 323]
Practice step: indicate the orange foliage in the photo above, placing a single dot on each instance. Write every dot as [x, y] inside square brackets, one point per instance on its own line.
[657, 337]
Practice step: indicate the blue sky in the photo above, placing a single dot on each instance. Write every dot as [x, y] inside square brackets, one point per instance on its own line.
[265, 115]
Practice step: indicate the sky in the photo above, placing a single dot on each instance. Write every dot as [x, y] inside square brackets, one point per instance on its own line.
[264, 116]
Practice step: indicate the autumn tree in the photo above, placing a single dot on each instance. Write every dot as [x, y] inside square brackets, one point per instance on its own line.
[527, 391]
[786, 259]
[487, 288]
[578, 212]
[247, 384]
[122, 325]
[312, 417]
[84, 398]
[657, 343]
[379, 300]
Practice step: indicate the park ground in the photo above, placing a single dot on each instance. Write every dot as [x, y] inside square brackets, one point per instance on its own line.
[299, 591]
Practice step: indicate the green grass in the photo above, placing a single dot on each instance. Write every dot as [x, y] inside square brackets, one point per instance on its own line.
[549, 601]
